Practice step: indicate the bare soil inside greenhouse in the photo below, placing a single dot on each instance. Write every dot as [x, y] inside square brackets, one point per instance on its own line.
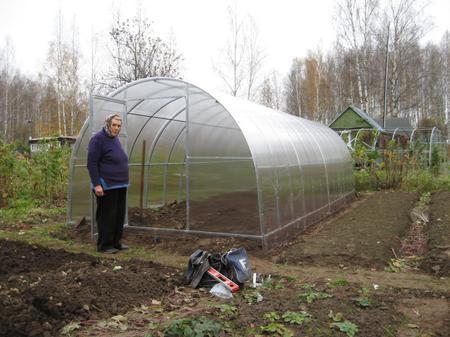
[346, 276]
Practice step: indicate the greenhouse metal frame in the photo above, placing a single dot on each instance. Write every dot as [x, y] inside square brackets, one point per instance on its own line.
[432, 141]
[236, 169]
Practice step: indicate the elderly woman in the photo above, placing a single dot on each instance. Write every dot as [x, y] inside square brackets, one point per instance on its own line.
[108, 169]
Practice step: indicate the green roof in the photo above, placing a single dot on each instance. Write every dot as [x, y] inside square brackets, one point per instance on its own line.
[354, 118]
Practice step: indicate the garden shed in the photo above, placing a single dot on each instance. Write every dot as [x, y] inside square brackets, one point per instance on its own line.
[206, 163]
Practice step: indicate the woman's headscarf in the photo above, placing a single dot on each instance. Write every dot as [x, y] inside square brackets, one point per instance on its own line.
[108, 122]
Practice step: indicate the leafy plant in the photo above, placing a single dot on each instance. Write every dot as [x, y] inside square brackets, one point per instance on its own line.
[269, 284]
[338, 282]
[395, 265]
[277, 329]
[271, 316]
[364, 300]
[296, 317]
[253, 297]
[290, 278]
[348, 327]
[40, 179]
[311, 295]
[227, 311]
[192, 327]
[424, 199]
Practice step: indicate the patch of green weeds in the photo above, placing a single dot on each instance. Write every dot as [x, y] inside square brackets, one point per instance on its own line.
[395, 265]
[364, 300]
[277, 329]
[299, 318]
[343, 325]
[272, 316]
[253, 297]
[227, 311]
[25, 211]
[290, 278]
[270, 284]
[424, 199]
[193, 327]
[311, 294]
[338, 283]
[267, 283]
[348, 327]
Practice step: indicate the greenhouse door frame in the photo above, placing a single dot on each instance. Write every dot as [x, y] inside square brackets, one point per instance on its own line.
[122, 109]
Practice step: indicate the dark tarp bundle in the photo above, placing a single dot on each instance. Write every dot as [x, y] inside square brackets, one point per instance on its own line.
[234, 264]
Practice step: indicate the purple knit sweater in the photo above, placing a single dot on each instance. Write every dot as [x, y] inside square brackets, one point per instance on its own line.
[107, 162]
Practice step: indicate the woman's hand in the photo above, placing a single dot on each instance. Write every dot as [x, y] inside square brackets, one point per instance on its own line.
[98, 190]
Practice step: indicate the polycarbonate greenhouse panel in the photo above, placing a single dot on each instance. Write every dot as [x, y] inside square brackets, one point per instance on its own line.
[235, 168]
[223, 197]
[221, 142]
[169, 136]
[80, 191]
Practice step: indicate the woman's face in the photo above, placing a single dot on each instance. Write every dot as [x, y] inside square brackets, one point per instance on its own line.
[116, 124]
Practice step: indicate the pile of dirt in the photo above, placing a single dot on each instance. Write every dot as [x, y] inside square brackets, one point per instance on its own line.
[437, 260]
[42, 290]
[171, 215]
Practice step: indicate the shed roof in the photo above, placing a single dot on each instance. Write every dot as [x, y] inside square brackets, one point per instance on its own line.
[355, 118]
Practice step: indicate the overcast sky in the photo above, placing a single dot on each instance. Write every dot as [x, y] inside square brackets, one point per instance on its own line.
[287, 28]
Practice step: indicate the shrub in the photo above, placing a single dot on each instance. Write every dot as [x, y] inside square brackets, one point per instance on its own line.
[49, 173]
[424, 181]
[40, 179]
[14, 175]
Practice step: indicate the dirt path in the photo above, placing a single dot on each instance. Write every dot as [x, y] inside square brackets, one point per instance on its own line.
[367, 236]
[438, 258]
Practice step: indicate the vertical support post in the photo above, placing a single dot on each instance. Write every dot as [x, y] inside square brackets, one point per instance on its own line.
[91, 128]
[141, 192]
[386, 68]
[188, 210]
[430, 148]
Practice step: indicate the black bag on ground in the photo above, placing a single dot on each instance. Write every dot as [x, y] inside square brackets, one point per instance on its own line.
[233, 264]
[237, 265]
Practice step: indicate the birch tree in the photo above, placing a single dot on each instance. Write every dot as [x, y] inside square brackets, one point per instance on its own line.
[137, 52]
[445, 49]
[293, 88]
[241, 62]
[63, 75]
[270, 94]
[7, 74]
[355, 21]
[407, 28]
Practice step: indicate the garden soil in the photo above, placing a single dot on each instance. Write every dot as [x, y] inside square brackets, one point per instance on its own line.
[333, 274]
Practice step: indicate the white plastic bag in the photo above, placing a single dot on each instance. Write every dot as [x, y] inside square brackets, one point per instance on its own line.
[221, 291]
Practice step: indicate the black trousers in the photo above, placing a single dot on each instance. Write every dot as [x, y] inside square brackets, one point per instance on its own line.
[110, 217]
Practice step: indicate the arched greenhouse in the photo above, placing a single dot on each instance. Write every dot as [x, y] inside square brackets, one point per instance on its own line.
[212, 164]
